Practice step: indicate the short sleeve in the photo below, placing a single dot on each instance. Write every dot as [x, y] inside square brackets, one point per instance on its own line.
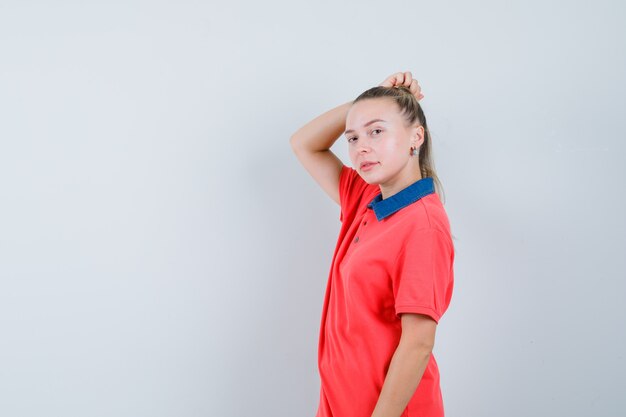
[422, 275]
[351, 189]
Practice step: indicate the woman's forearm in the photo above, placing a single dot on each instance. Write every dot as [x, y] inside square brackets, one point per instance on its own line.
[320, 133]
[403, 376]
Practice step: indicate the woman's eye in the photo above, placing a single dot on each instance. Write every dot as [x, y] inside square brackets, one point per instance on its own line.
[377, 130]
[350, 139]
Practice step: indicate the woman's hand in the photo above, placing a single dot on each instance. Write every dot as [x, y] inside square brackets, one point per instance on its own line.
[404, 79]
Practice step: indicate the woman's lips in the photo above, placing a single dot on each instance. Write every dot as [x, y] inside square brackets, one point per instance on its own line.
[368, 165]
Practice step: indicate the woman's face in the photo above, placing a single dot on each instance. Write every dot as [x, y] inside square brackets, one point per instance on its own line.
[376, 133]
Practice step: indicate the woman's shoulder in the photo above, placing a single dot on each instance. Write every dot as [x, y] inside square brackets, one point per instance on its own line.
[426, 213]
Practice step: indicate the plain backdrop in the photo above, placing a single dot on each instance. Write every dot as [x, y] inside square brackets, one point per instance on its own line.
[163, 252]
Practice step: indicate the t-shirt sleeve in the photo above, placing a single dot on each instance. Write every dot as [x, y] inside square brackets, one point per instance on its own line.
[423, 277]
[351, 189]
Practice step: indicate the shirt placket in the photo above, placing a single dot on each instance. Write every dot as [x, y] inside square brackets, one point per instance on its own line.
[362, 230]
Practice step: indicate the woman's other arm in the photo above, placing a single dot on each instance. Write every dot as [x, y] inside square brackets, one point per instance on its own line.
[311, 144]
[407, 365]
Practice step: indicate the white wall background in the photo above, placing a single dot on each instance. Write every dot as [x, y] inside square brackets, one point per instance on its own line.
[163, 253]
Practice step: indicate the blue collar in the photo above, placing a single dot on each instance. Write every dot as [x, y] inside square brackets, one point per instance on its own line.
[412, 193]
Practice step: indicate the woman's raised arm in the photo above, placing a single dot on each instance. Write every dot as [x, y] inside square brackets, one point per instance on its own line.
[311, 144]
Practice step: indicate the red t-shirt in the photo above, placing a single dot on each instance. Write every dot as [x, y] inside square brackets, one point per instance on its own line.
[392, 256]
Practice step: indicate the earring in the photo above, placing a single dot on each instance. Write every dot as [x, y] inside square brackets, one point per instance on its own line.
[414, 151]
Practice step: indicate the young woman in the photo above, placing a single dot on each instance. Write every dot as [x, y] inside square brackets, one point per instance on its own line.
[391, 277]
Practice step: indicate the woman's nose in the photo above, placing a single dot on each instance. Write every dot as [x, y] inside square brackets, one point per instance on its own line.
[363, 146]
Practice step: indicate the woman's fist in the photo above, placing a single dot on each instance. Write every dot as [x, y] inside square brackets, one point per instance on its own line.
[404, 79]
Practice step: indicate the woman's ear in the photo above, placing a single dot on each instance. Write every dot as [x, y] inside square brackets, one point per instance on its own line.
[418, 135]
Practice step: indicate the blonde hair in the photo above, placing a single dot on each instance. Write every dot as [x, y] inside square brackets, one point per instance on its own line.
[412, 111]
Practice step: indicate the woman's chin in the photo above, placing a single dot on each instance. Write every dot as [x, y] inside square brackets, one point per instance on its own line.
[370, 178]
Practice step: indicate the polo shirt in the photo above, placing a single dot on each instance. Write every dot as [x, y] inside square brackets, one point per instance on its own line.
[392, 256]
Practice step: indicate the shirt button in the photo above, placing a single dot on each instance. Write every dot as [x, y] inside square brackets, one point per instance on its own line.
[356, 239]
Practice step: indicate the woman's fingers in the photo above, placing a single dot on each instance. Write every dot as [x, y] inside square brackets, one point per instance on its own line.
[389, 81]
[404, 79]
[400, 78]
[416, 90]
[393, 80]
[408, 77]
